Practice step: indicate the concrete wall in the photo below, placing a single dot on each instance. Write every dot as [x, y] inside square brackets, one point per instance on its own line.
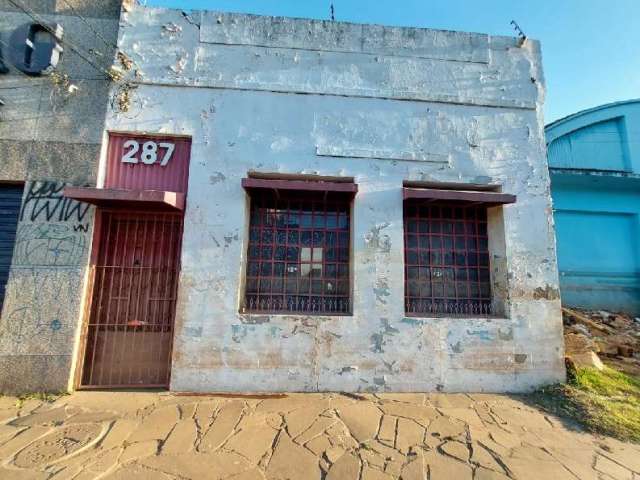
[382, 105]
[49, 138]
[594, 159]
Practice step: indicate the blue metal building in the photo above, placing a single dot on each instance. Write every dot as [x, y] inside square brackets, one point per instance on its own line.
[594, 163]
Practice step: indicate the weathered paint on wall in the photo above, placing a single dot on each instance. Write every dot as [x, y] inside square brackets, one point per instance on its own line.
[50, 137]
[292, 96]
[594, 160]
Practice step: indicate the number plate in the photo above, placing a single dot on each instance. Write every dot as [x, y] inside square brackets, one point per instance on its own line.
[147, 153]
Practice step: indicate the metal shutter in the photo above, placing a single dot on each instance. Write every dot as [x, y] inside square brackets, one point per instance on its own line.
[10, 200]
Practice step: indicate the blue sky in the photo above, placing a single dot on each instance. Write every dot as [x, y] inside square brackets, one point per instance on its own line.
[591, 48]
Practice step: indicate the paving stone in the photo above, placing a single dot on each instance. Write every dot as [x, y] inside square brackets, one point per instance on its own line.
[362, 419]
[317, 428]
[210, 466]
[532, 469]
[369, 473]
[387, 452]
[134, 472]
[579, 460]
[507, 440]
[182, 438]
[334, 453]
[482, 473]
[444, 427]
[52, 416]
[415, 469]
[289, 403]
[253, 442]
[624, 453]
[222, 428]
[394, 467]
[300, 420]
[441, 466]
[24, 438]
[387, 433]
[103, 460]
[449, 400]
[614, 470]
[481, 456]
[253, 474]
[409, 434]
[422, 414]
[9, 431]
[23, 474]
[92, 417]
[71, 439]
[119, 431]
[339, 435]
[187, 410]
[371, 457]
[205, 412]
[456, 450]
[466, 415]
[135, 451]
[157, 425]
[346, 468]
[319, 445]
[124, 403]
[415, 398]
[292, 461]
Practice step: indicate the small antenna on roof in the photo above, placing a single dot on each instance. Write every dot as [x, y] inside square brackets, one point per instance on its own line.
[333, 13]
[521, 35]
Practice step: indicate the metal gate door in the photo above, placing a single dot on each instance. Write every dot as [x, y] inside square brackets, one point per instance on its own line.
[10, 199]
[135, 281]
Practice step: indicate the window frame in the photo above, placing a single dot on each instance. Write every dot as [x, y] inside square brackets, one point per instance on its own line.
[337, 198]
[426, 233]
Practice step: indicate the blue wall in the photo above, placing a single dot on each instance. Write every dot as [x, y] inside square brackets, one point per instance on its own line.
[594, 163]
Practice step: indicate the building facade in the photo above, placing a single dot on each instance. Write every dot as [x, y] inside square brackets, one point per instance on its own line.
[299, 205]
[594, 163]
[51, 128]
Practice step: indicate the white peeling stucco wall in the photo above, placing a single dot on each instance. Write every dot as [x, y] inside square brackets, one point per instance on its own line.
[382, 105]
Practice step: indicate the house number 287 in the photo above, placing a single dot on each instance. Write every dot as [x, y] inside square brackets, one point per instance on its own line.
[147, 153]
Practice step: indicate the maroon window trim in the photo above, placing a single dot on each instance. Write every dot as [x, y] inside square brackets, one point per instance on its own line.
[298, 257]
[304, 185]
[488, 198]
[446, 259]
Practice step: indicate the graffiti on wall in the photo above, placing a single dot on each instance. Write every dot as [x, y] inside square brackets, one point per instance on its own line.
[40, 311]
[44, 202]
[53, 229]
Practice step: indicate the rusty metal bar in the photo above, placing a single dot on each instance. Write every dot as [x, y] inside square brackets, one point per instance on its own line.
[446, 259]
[131, 325]
[298, 253]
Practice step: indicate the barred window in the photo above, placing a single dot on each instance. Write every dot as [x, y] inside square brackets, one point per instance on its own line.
[446, 258]
[298, 252]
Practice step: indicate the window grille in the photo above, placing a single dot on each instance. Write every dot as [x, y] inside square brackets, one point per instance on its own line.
[298, 252]
[446, 259]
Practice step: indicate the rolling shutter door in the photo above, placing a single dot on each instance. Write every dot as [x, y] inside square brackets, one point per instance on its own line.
[10, 201]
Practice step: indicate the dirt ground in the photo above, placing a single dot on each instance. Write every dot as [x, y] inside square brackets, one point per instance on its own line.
[91, 435]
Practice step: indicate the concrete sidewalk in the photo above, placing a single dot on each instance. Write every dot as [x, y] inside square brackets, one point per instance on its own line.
[115, 435]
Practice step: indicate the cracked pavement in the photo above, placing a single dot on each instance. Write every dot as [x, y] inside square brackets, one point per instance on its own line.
[126, 435]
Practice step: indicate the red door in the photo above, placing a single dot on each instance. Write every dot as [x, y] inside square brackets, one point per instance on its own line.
[132, 311]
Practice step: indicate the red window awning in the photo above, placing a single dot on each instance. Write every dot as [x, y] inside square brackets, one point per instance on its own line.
[466, 196]
[110, 197]
[308, 185]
